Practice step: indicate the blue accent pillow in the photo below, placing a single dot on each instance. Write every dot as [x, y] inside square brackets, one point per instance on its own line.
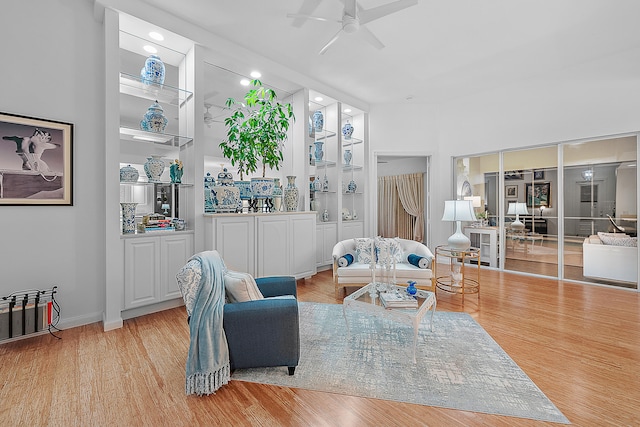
[419, 261]
[345, 260]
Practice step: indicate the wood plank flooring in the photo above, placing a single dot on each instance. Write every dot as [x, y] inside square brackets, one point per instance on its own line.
[580, 344]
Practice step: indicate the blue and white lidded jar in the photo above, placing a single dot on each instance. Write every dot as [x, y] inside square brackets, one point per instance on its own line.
[153, 71]
[154, 119]
[129, 174]
[347, 130]
[318, 121]
[154, 168]
[351, 188]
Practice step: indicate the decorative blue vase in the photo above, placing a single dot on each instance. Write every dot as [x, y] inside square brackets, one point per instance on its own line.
[245, 189]
[325, 183]
[347, 130]
[262, 188]
[128, 217]
[153, 71]
[129, 174]
[154, 168]
[347, 157]
[351, 188]
[154, 119]
[411, 289]
[209, 182]
[226, 195]
[318, 121]
[291, 194]
[319, 154]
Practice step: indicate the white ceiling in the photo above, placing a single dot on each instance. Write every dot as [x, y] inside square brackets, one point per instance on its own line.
[435, 51]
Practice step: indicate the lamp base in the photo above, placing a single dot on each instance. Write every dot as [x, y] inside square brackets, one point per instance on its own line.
[517, 225]
[459, 241]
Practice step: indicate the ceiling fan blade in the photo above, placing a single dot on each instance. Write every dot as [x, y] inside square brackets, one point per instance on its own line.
[298, 16]
[307, 8]
[374, 13]
[371, 38]
[326, 46]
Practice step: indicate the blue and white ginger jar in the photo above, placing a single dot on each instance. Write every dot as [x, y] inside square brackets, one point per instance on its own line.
[129, 174]
[347, 130]
[318, 121]
[154, 119]
[351, 188]
[154, 168]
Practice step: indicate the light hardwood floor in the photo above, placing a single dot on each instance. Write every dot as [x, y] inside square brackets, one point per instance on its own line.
[580, 344]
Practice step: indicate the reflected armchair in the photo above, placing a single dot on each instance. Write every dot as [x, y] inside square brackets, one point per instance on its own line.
[627, 230]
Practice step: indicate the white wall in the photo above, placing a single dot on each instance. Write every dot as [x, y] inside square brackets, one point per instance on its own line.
[52, 69]
[591, 99]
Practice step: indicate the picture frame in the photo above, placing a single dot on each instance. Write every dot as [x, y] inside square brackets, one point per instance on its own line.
[538, 194]
[36, 161]
[538, 174]
[513, 174]
[511, 191]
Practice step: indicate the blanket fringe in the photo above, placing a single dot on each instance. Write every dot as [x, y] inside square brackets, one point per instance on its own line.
[207, 382]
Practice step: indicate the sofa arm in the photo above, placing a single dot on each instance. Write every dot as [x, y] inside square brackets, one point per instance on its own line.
[263, 332]
[274, 286]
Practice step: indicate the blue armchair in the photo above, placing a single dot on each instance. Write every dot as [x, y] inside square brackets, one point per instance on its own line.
[266, 332]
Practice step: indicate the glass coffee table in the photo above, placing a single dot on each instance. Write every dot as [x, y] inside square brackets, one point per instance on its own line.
[367, 300]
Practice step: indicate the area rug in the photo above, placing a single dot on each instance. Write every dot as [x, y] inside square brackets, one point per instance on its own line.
[459, 366]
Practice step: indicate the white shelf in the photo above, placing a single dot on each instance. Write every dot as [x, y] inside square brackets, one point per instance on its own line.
[322, 135]
[350, 142]
[346, 168]
[322, 162]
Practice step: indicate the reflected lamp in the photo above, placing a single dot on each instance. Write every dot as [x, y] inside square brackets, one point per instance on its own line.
[458, 211]
[517, 209]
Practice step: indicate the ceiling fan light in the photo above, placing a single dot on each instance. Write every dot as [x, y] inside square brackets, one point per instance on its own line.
[350, 24]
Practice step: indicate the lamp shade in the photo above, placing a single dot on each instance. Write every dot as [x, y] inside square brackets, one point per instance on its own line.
[475, 200]
[458, 210]
[517, 208]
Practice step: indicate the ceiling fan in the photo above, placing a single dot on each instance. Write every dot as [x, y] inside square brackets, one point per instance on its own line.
[354, 17]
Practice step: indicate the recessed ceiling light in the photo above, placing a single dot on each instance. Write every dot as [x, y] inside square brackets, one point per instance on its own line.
[156, 36]
[150, 49]
[347, 110]
[244, 82]
[256, 74]
[318, 98]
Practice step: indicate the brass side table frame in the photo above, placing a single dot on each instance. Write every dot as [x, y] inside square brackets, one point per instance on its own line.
[460, 278]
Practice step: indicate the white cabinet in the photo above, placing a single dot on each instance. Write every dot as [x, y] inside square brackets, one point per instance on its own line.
[326, 238]
[352, 229]
[485, 239]
[150, 267]
[265, 244]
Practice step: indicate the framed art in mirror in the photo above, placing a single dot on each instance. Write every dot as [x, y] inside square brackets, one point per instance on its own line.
[539, 194]
[511, 191]
[35, 161]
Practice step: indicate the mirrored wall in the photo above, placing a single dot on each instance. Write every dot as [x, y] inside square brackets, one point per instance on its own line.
[540, 209]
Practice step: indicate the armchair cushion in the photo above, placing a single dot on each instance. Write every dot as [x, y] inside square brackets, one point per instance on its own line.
[241, 287]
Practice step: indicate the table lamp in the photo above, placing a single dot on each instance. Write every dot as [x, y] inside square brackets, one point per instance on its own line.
[165, 207]
[517, 209]
[458, 211]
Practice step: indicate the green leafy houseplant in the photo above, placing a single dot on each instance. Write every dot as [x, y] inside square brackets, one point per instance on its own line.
[256, 130]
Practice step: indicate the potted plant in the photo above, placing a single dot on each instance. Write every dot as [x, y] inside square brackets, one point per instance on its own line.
[256, 131]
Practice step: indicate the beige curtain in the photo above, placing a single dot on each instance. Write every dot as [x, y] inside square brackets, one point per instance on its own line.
[401, 206]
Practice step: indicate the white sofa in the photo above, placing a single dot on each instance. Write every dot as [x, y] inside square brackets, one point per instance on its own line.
[359, 274]
[609, 261]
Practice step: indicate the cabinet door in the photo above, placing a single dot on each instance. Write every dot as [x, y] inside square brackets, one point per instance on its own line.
[352, 229]
[235, 242]
[274, 250]
[174, 253]
[325, 241]
[141, 272]
[303, 245]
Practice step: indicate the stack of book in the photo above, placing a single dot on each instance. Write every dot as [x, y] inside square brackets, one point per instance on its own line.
[155, 223]
[398, 300]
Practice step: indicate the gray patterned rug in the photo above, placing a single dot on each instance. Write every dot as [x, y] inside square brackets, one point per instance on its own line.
[459, 365]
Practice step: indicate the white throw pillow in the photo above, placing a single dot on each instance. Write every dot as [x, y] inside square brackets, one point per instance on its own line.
[241, 287]
[363, 250]
[613, 238]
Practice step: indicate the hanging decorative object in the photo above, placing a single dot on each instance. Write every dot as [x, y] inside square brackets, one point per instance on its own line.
[153, 71]
[154, 119]
[129, 174]
[347, 130]
[347, 157]
[318, 121]
[128, 217]
[291, 194]
[154, 168]
[176, 171]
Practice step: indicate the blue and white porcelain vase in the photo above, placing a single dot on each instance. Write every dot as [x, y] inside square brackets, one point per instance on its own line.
[291, 194]
[411, 289]
[347, 157]
[347, 130]
[154, 168]
[325, 183]
[317, 184]
[129, 174]
[154, 119]
[319, 154]
[351, 188]
[153, 71]
[245, 189]
[318, 121]
[325, 216]
[277, 188]
[226, 195]
[128, 217]
[209, 183]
